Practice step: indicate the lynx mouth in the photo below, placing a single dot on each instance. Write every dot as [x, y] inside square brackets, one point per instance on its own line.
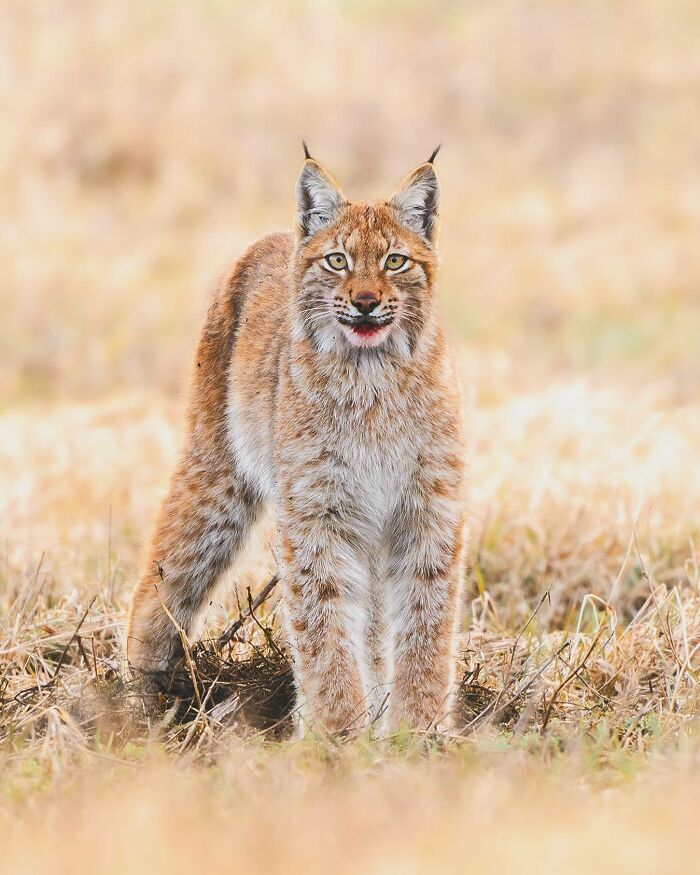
[365, 331]
[366, 328]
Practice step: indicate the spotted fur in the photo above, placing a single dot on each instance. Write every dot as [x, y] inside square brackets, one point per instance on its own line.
[330, 393]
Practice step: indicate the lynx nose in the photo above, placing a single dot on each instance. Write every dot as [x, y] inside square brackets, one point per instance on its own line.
[365, 302]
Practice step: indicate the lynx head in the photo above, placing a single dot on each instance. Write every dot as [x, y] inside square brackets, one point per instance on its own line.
[365, 271]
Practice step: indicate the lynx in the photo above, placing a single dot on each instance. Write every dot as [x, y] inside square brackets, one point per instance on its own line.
[322, 384]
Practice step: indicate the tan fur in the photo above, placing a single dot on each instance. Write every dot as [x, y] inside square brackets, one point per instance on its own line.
[353, 431]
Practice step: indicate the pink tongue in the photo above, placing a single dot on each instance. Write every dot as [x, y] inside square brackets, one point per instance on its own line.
[365, 329]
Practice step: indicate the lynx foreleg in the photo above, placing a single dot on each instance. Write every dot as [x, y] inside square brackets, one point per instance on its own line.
[325, 593]
[426, 568]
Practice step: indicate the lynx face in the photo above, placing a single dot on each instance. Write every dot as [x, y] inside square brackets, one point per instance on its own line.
[365, 271]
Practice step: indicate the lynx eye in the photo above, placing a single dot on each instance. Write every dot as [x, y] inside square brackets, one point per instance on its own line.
[395, 261]
[337, 261]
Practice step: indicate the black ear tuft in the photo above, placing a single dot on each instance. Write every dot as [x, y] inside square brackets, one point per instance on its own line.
[434, 155]
[307, 154]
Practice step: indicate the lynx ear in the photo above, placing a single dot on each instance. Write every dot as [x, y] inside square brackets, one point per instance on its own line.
[417, 200]
[319, 198]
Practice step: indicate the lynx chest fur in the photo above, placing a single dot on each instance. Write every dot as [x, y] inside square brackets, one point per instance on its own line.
[363, 428]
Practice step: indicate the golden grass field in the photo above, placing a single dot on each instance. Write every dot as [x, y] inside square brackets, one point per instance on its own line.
[144, 146]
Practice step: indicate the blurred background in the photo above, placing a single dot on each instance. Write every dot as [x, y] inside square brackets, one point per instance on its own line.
[145, 145]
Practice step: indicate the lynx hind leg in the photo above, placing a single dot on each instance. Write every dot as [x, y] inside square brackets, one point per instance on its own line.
[202, 525]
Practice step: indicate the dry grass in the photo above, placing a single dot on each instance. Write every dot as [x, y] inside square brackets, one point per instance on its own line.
[147, 144]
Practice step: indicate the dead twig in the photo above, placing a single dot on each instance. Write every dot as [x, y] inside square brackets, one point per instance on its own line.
[508, 677]
[185, 647]
[518, 694]
[229, 633]
[61, 659]
[572, 674]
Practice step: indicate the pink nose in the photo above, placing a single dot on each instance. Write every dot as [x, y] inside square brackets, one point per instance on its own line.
[365, 302]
